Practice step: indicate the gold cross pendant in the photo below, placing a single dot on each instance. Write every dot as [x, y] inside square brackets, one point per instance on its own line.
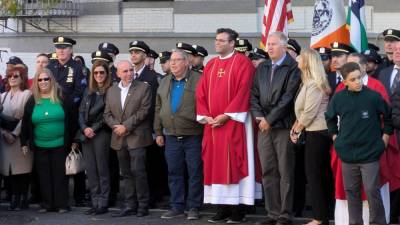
[221, 72]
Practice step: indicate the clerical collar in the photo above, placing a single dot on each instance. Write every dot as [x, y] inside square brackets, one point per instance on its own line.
[228, 56]
[139, 72]
[280, 61]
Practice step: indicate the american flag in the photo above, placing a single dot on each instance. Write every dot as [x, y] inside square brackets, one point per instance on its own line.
[277, 14]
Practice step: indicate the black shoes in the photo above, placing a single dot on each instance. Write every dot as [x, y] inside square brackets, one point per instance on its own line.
[142, 213]
[101, 210]
[125, 212]
[91, 211]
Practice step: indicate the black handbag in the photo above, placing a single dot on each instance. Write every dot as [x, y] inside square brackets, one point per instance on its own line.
[8, 123]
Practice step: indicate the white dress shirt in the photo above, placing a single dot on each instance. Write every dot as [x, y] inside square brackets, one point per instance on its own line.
[124, 93]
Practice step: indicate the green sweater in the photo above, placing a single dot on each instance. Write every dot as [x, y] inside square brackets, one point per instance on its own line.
[359, 133]
[48, 124]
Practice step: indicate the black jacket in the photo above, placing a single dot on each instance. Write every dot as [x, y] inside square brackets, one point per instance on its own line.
[70, 120]
[396, 112]
[275, 101]
[91, 114]
[384, 78]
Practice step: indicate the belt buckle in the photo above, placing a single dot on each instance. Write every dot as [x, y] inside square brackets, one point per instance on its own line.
[179, 137]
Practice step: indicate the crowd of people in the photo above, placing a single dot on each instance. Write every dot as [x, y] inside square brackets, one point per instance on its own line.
[250, 124]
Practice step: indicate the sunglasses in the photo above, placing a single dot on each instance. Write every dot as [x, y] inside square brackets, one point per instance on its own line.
[44, 79]
[15, 76]
[99, 72]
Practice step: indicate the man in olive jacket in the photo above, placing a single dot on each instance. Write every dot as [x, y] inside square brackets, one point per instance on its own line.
[175, 115]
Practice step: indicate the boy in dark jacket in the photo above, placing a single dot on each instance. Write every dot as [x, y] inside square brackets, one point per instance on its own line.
[359, 140]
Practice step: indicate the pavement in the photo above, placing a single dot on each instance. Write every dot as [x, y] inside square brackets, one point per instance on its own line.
[77, 217]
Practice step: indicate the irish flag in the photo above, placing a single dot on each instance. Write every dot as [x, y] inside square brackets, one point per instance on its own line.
[356, 25]
[329, 23]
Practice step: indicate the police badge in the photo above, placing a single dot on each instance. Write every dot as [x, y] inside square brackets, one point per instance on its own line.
[70, 76]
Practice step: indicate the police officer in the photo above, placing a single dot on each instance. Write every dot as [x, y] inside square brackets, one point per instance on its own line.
[198, 61]
[113, 51]
[293, 48]
[151, 59]
[339, 53]
[69, 76]
[188, 49]
[156, 165]
[164, 62]
[243, 46]
[258, 56]
[66, 71]
[389, 37]
[374, 59]
[325, 54]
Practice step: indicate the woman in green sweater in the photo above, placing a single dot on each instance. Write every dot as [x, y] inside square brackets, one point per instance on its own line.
[47, 128]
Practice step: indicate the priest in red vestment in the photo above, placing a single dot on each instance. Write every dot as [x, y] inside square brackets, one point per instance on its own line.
[222, 102]
[389, 179]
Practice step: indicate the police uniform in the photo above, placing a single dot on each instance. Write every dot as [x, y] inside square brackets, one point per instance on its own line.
[69, 76]
[389, 35]
[373, 56]
[113, 51]
[243, 45]
[164, 57]
[337, 49]
[294, 46]
[73, 83]
[200, 52]
[189, 49]
[258, 53]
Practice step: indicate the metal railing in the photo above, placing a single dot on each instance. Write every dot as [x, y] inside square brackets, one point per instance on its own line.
[43, 8]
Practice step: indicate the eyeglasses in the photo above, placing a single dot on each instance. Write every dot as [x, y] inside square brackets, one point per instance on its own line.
[44, 79]
[102, 72]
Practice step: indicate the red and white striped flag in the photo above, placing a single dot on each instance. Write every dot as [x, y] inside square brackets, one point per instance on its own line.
[277, 14]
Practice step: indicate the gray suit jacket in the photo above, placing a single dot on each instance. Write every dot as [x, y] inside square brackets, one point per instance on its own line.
[134, 115]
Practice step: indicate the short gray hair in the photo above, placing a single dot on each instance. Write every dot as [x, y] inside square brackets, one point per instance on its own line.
[282, 37]
[182, 53]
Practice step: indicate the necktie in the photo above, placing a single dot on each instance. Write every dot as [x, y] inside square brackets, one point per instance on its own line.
[339, 79]
[396, 81]
[135, 76]
[273, 71]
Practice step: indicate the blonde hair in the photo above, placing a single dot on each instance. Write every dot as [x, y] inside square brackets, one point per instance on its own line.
[54, 89]
[312, 69]
[93, 85]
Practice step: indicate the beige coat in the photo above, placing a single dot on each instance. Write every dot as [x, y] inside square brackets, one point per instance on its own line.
[310, 107]
[134, 115]
[12, 161]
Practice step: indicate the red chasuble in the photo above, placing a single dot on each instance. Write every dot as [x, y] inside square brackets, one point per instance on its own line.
[225, 88]
[388, 167]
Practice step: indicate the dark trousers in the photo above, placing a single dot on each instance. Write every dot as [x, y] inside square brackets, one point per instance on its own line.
[19, 184]
[79, 187]
[132, 163]
[182, 152]
[114, 176]
[368, 175]
[50, 166]
[395, 205]
[299, 190]
[319, 173]
[96, 154]
[157, 173]
[277, 163]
